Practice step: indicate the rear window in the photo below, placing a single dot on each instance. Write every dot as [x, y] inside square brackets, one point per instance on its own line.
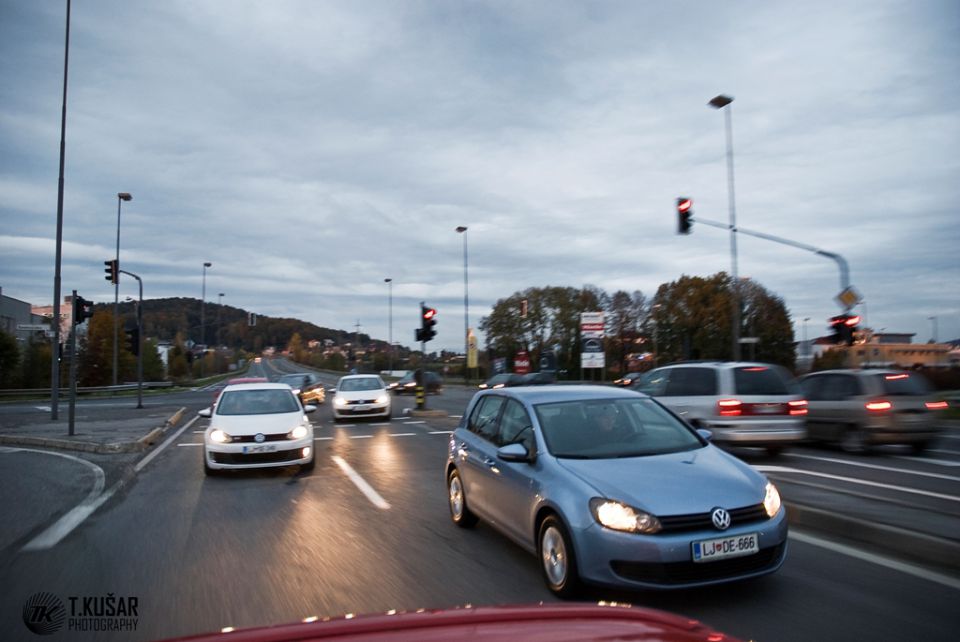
[903, 384]
[761, 380]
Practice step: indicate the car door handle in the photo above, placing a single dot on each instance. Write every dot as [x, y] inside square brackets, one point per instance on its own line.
[489, 462]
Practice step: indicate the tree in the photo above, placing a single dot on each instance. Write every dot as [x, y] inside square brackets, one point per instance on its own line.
[152, 363]
[295, 348]
[36, 365]
[9, 360]
[95, 354]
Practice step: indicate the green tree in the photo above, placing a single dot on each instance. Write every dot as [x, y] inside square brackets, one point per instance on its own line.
[295, 348]
[36, 365]
[95, 353]
[9, 360]
[152, 363]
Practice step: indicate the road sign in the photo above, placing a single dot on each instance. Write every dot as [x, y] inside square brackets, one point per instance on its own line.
[521, 363]
[32, 326]
[591, 325]
[848, 298]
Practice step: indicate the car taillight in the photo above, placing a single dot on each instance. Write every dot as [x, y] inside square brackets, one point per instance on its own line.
[798, 407]
[729, 407]
[879, 406]
[936, 405]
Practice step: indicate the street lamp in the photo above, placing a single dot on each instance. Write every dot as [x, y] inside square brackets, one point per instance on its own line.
[806, 346]
[219, 306]
[461, 229]
[719, 102]
[656, 349]
[389, 283]
[934, 325]
[203, 326]
[121, 197]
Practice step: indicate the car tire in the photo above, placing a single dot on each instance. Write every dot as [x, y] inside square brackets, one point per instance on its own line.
[854, 441]
[774, 451]
[558, 563]
[919, 447]
[460, 513]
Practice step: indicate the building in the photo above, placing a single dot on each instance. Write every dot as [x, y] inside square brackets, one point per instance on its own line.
[889, 350]
[19, 319]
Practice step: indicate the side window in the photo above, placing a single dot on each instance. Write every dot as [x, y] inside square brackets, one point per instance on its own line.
[847, 386]
[483, 419]
[692, 382]
[830, 387]
[812, 388]
[654, 382]
[516, 426]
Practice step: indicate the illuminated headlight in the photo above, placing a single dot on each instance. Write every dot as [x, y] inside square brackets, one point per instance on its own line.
[220, 437]
[620, 517]
[297, 433]
[410, 385]
[382, 399]
[771, 502]
[296, 391]
[340, 401]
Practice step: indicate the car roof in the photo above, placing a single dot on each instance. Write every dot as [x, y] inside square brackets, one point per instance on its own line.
[871, 371]
[719, 364]
[257, 386]
[360, 376]
[553, 393]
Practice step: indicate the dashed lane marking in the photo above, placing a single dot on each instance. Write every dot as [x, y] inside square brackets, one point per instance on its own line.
[361, 483]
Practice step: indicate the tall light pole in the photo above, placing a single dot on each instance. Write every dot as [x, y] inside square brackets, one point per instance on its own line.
[934, 326]
[656, 348]
[461, 229]
[219, 306]
[121, 197]
[203, 325]
[806, 346]
[389, 283]
[719, 102]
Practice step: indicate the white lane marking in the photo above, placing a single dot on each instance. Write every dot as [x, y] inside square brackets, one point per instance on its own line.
[403, 434]
[44, 408]
[949, 437]
[323, 438]
[410, 423]
[896, 565]
[380, 425]
[361, 483]
[927, 460]
[62, 527]
[852, 480]
[456, 416]
[199, 432]
[861, 464]
[947, 452]
[442, 432]
[190, 444]
[361, 436]
[146, 460]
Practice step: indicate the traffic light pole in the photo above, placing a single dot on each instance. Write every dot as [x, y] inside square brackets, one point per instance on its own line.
[139, 338]
[841, 262]
[73, 372]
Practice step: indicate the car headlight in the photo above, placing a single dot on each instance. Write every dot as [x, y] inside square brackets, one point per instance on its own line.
[412, 384]
[296, 391]
[771, 502]
[382, 399]
[220, 437]
[340, 401]
[297, 433]
[620, 517]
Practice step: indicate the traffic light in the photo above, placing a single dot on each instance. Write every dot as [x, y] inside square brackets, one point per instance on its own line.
[82, 310]
[843, 326]
[133, 340]
[684, 212]
[427, 321]
[112, 270]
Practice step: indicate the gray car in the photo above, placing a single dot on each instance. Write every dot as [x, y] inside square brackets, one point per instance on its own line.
[608, 487]
[861, 408]
[742, 403]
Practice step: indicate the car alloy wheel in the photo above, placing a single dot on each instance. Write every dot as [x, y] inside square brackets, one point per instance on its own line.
[854, 441]
[459, 512]
[556, 558]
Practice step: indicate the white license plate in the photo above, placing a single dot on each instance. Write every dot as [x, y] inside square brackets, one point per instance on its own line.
[709, 550]
[361, 408]
[259, 448]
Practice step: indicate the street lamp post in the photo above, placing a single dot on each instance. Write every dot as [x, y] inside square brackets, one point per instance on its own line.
[389, 283]
[933, 321]
[203, 325]
[121, 197]
[219, 306]
[656, 348]
[461, 229]
[719, 102]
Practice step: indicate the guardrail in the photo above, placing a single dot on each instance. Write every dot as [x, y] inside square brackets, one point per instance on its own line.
[45, 392]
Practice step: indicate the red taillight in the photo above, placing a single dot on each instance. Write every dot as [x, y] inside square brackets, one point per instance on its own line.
[729, 407]
[798, 407]
[879, 406]
[936, 405]
[896, 377]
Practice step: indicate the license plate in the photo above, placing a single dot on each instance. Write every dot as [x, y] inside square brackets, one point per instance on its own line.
[767, 410]
[709, 550]
[361, 408]
[259, 448]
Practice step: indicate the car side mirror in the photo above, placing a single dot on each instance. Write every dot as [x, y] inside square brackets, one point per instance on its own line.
[309, 408]
[513, 452]
[206, 412]
[706, 434]
[331, 390]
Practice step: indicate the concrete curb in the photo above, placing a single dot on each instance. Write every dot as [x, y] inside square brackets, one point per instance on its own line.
[428, 413]
[927, 549]
[139, 445]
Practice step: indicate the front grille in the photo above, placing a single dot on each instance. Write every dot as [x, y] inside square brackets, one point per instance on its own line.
[239, 459]
[703, 521]
[243, 439]
[677, 573]
[360, 401]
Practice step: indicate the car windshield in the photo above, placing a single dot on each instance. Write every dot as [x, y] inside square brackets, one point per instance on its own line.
[361, 383]
[612, 428]
[762, 380]
[295, 379]
[903, 384]
[256, 402]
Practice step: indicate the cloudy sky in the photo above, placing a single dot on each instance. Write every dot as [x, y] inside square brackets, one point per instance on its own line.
[309, 150]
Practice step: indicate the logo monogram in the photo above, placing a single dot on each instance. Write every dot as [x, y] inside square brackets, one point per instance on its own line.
[721, 518]
[259, 438]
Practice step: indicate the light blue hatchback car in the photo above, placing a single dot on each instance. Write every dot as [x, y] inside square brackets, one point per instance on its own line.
[606, 486]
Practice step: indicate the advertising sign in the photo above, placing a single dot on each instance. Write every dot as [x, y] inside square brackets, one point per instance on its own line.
[521, 363]
[591, 338]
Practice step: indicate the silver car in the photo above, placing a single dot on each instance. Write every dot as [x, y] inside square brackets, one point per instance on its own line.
[608, 487]
[742, 403]
[861, 408]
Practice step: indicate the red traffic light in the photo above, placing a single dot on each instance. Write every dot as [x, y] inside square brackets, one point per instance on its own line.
[684, 204]
[852, 321]
[429, 313]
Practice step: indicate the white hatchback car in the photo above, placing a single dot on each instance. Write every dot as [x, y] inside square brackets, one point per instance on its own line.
[257, 425]
[361, 396]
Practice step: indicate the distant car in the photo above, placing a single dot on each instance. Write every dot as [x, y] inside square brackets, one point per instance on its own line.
[256, 425]
[501, 381]
[861, 408]
[537, 379]
[307, 386]
[628, 379]
[408, 383]
[742, 403]
[233, 382]
[361, 396]
[606, 486]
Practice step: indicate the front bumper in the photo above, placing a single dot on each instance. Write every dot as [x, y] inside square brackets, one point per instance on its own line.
[253, 455]
[665, 561]
[362, 410]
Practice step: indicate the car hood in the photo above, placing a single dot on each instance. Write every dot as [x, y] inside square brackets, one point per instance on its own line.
[682, 483]
[237, 425]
